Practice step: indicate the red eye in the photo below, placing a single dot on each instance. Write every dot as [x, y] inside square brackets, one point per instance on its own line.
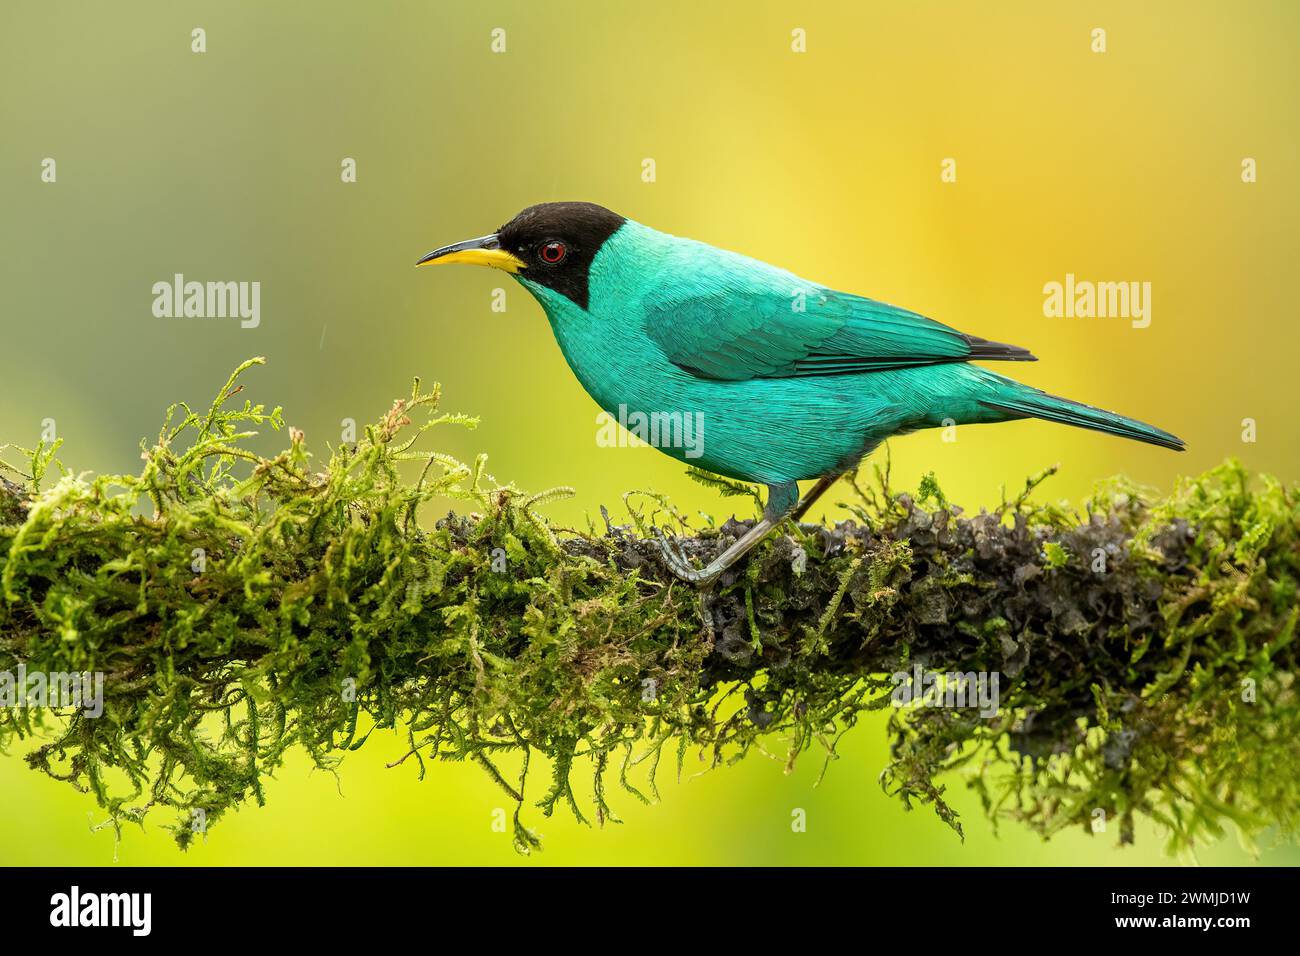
[552, 252]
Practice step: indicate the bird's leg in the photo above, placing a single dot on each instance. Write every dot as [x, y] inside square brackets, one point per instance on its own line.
[823, 485]
[781, 502]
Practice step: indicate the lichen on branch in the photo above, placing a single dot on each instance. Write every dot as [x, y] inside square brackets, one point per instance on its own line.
[240, 606]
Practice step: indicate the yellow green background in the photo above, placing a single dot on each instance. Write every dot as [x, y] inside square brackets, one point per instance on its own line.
[226, 166]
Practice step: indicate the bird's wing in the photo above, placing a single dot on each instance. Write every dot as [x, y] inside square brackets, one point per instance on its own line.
[733, 330]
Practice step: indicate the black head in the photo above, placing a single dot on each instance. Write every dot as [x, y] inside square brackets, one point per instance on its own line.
[557, 241]
[551, 244]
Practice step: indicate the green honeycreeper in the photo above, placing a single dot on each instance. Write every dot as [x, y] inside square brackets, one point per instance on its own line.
[788, 379]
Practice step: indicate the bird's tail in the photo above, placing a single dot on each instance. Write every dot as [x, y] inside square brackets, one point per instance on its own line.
[1030, 402]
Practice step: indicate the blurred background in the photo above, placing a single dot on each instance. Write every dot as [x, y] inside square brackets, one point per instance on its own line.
[1122, 165]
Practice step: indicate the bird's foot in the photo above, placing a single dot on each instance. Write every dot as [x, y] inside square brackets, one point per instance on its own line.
[677, 562]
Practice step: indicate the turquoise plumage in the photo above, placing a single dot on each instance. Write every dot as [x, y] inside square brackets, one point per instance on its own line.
[790, 380]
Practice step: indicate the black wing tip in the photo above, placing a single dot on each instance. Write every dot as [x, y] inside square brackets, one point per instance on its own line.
[983, 349]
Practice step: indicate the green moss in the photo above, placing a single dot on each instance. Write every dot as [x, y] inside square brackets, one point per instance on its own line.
[1146, 648]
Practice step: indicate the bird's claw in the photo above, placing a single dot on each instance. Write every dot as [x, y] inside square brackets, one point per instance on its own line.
[675, 559]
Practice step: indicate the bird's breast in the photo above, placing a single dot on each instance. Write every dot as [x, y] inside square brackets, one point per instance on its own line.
[617, 363]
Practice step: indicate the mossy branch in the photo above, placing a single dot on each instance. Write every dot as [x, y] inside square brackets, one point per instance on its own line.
[239, 606]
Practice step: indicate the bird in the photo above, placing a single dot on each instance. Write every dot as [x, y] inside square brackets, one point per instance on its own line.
[789, 380]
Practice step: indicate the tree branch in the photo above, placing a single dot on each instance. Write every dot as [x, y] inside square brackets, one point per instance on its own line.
[1135, 659]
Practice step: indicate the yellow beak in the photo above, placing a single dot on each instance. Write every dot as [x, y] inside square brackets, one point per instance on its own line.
[484, 251]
